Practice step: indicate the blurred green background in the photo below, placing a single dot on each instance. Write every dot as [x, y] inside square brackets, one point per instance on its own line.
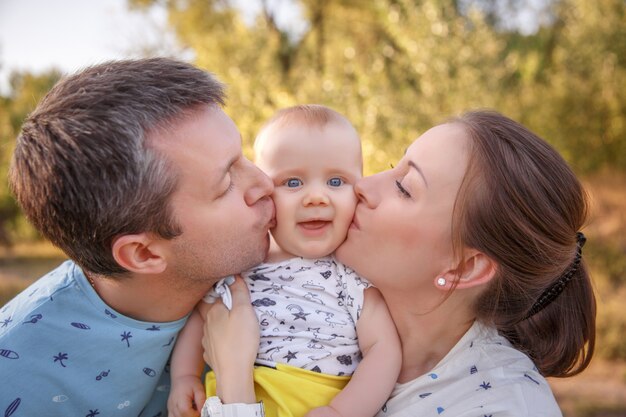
[395, 68]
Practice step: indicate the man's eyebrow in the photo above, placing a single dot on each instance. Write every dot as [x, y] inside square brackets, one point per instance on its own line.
[419, 170]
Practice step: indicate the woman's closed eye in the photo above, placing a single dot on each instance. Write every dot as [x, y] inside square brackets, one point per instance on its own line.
[403, 191]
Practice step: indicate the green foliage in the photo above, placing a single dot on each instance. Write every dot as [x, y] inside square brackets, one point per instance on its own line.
[581, 100]
[27, 90]
[396, 67]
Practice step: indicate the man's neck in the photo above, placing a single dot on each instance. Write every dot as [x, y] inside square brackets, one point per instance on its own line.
[148, 298]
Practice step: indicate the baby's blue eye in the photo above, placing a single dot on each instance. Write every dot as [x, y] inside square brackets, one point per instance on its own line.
[335, 182]
[293, 182]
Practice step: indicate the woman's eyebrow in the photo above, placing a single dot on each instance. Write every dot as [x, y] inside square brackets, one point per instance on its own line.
[419, 170]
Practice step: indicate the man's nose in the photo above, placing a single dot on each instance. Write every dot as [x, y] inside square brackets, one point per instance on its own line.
[260, 187]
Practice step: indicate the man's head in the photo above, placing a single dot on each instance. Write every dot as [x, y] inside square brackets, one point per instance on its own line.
[313, 156]
[94, 161]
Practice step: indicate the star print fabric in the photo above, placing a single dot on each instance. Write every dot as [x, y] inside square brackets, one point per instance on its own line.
[307, 310]
[482, 376]
[64, 352]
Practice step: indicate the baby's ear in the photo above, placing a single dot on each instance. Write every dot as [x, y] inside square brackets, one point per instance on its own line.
[140, 253]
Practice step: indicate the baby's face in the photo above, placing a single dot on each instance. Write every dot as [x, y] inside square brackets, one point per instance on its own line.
[314, 170]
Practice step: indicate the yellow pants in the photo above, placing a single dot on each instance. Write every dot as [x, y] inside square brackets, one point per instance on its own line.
[288, 391]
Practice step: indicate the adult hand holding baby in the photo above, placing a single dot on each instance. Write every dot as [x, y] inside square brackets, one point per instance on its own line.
[225, 329]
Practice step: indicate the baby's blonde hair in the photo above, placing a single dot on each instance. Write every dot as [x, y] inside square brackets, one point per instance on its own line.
[311, 115]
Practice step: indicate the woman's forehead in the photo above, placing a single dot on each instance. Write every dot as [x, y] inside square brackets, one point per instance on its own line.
[441, 152]
[449, 137]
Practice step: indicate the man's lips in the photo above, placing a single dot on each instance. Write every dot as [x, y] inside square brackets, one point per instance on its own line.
[271, 223]
[355, 223]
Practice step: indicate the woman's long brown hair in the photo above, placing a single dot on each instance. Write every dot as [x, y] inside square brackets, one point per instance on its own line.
[521, 205]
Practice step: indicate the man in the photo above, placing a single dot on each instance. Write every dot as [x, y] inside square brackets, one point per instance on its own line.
[135, 172]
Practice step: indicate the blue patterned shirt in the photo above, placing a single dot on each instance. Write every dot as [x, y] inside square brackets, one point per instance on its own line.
[64, 352]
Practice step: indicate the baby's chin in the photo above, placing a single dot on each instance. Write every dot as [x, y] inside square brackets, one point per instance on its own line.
[312, 252]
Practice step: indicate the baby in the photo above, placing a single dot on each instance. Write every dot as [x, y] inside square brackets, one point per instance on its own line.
[328, 343]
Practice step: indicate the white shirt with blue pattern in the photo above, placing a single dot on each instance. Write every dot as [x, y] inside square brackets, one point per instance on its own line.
[308, 309]
[482, 376]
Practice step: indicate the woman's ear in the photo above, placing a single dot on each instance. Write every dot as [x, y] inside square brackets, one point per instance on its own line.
[476, 269]
[139, 253]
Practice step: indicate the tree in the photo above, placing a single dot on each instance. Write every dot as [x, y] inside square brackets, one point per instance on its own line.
[26, 91]
[583, 101]
[395, 67]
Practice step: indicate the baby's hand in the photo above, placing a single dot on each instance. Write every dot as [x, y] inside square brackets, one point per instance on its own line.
[186, 397]
[323, 412]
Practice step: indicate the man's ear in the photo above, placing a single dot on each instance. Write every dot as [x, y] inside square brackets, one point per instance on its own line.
[476, 269]
[139, 253]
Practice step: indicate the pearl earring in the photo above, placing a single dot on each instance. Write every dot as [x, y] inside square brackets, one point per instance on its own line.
[441, 281]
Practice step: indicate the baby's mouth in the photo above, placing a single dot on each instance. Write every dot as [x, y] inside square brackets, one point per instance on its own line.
[314, 224]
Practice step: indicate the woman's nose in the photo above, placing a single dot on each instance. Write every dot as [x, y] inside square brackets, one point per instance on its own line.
[367, 190]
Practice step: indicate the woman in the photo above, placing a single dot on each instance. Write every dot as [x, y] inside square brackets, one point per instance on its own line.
[474, 241]
[463, 238]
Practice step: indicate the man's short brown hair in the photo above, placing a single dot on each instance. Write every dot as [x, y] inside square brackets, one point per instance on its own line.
[83, 170]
